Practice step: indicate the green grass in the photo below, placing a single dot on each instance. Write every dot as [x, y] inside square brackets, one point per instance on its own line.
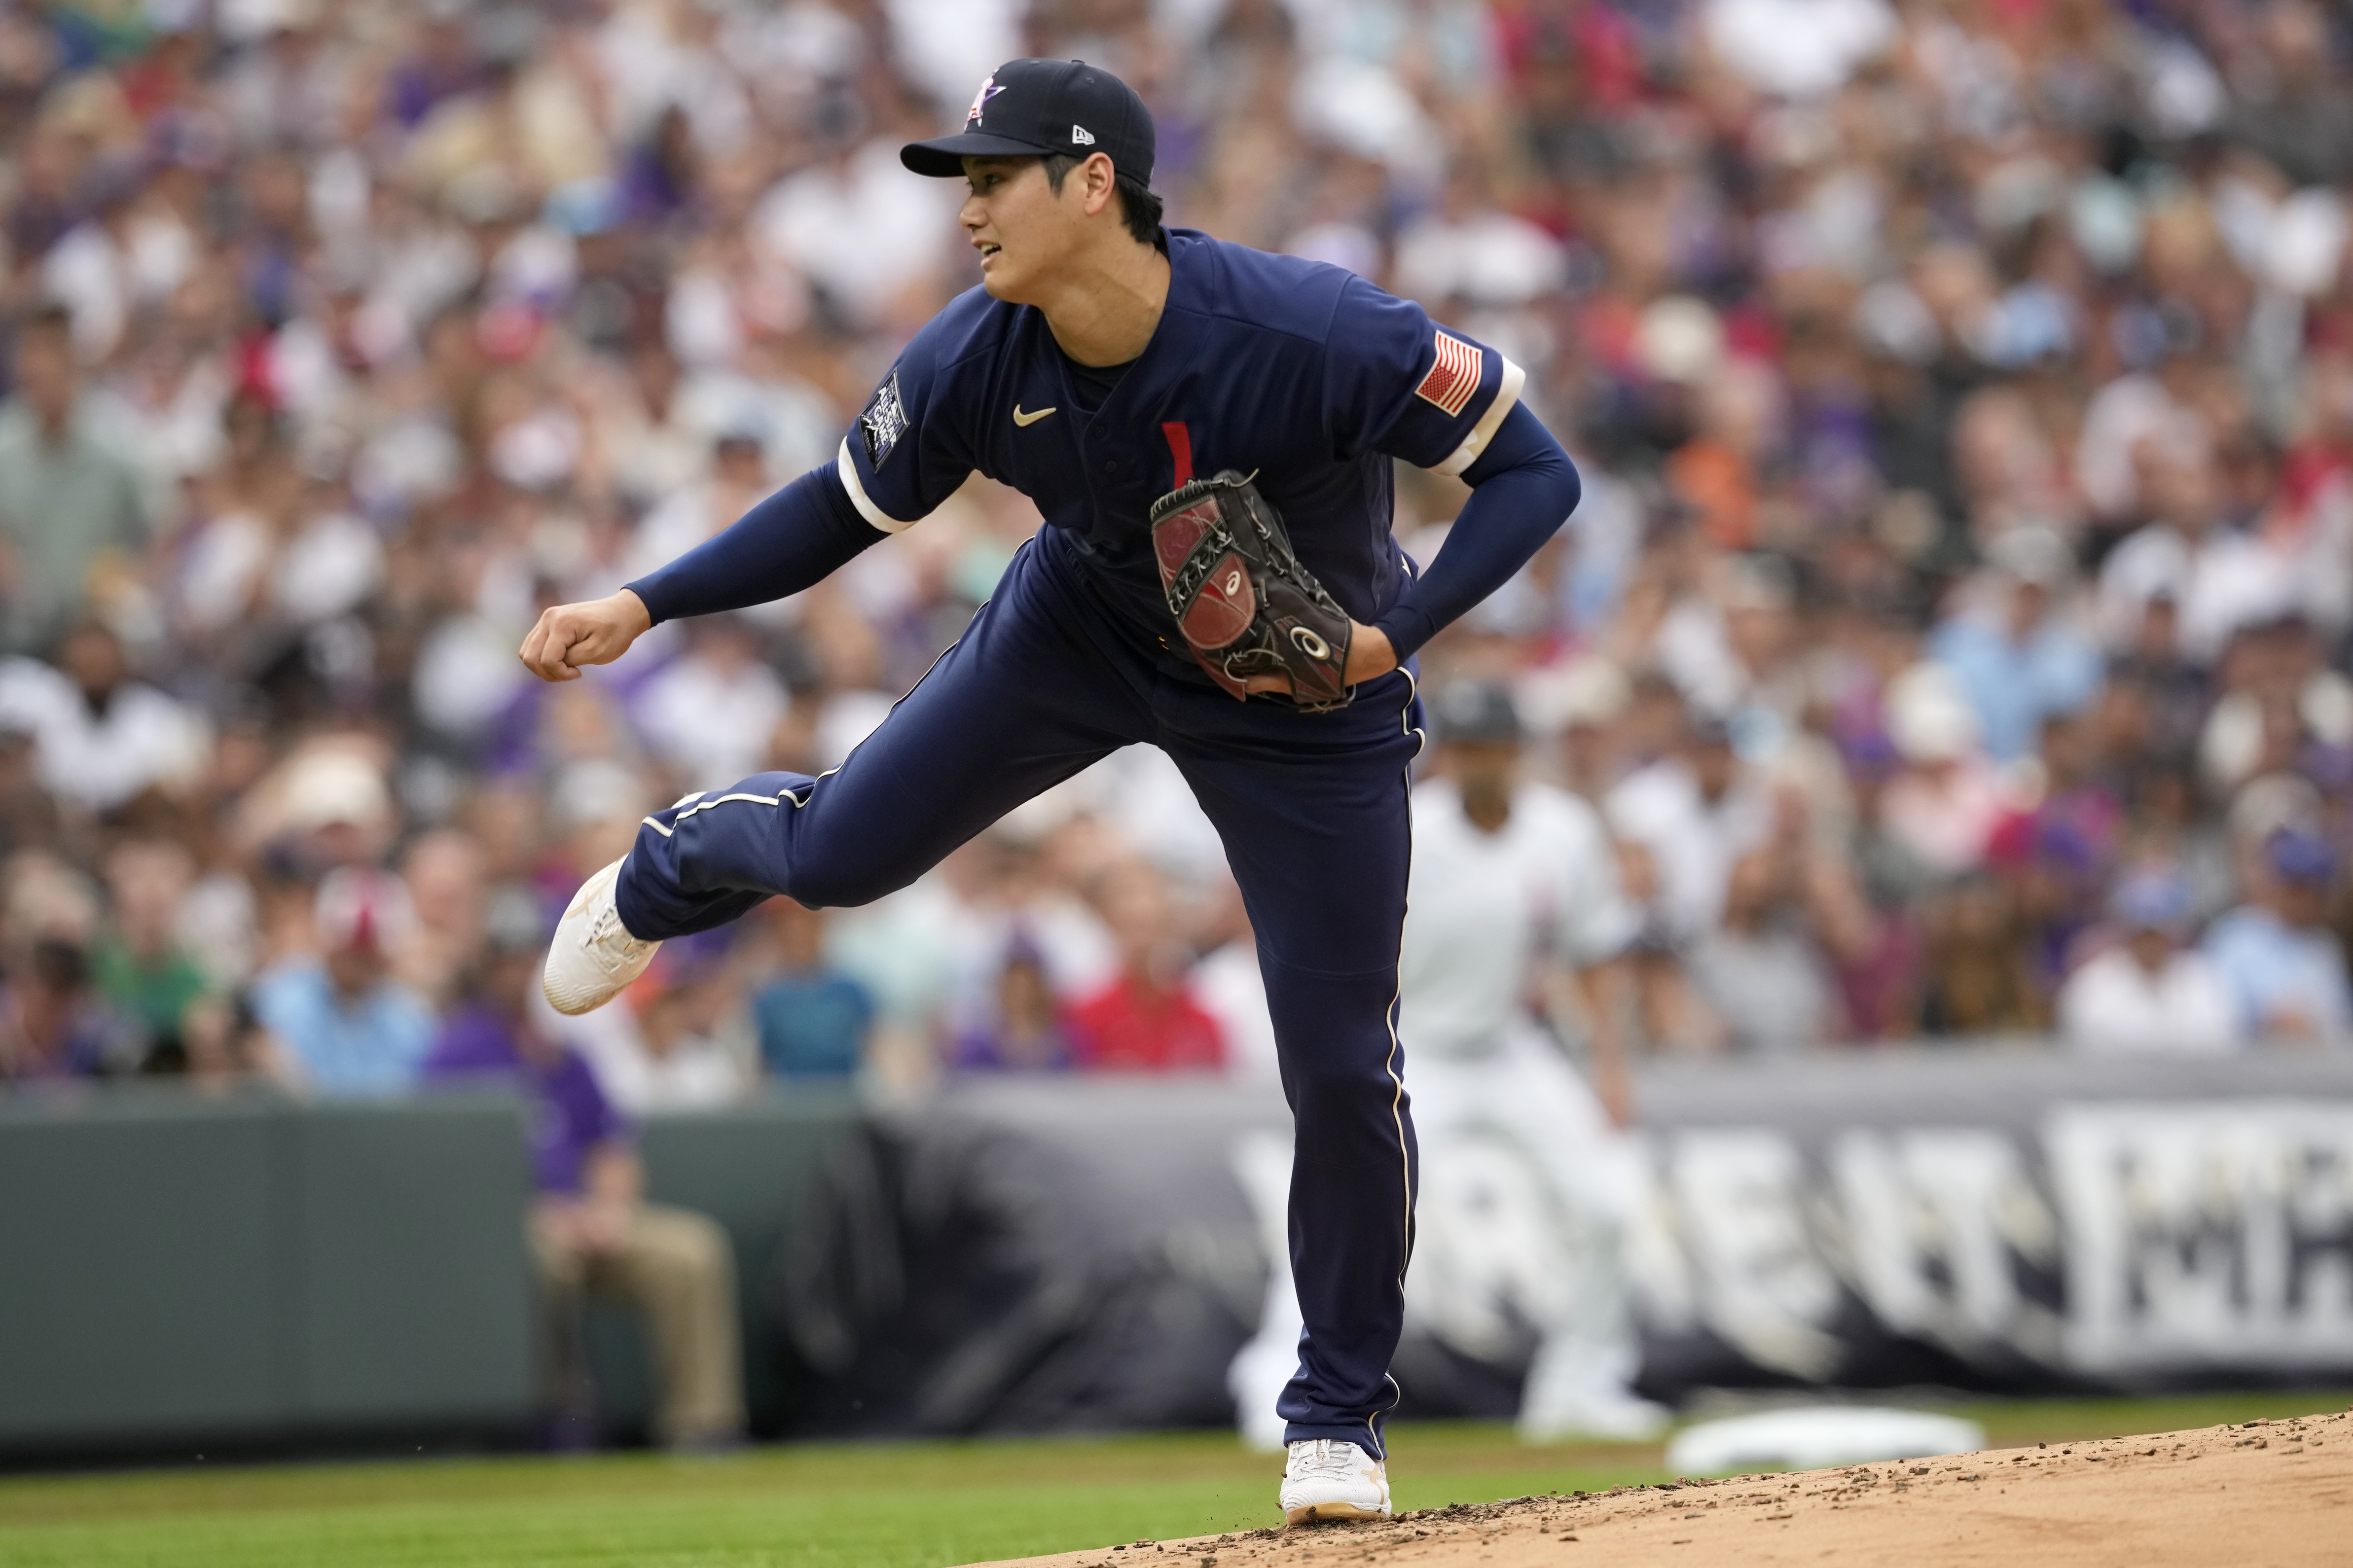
[912, 1505]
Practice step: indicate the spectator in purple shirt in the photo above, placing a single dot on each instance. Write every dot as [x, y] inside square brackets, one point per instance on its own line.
[592, 1232]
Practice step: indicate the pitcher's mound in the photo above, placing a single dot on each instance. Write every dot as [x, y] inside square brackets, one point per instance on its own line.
[2279, 1493]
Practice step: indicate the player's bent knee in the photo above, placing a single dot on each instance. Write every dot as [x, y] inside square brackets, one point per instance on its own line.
[823, 886]
[838, 871]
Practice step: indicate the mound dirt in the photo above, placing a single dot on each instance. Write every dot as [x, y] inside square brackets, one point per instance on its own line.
[2277, 1493]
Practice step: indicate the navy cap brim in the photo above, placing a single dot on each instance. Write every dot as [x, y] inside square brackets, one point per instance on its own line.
[943, 157]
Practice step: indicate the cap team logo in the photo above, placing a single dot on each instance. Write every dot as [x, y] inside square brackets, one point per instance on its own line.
[988, 89]
[1453, 376]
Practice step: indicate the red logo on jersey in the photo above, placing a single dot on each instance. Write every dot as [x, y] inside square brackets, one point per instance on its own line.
[1180, 450]
[1453, 376]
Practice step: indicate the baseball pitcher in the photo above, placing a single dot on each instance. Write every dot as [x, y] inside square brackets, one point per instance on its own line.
[1209, 432]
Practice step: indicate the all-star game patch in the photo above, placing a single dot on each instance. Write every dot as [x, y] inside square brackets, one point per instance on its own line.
[882, 424]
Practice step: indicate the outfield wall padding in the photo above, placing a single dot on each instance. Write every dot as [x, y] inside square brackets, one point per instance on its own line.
[174, 1268]
[178, 1272]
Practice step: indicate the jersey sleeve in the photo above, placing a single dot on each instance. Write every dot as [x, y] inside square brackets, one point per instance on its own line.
[908, 449]
[1397, 382]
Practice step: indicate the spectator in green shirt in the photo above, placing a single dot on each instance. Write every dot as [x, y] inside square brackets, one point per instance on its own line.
[140, 966]
[68, 500]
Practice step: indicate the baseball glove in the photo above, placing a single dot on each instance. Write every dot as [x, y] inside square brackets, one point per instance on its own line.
[1241, 600]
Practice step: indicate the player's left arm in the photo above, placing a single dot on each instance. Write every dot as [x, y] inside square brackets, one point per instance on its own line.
[1397, 383]
[1522, 488]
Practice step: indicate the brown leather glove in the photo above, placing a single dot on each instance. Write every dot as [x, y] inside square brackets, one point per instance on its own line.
[1242, 601]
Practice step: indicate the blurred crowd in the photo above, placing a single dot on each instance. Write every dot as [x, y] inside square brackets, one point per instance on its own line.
[1953, 636]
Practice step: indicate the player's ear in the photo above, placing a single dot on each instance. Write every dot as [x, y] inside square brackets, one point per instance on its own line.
[1100, 181]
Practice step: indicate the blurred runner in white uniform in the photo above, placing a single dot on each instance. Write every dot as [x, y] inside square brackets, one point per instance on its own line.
[1515, 921]
[1513, 926]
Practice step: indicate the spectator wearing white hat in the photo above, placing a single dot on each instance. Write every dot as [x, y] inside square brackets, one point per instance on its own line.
[1944, 805]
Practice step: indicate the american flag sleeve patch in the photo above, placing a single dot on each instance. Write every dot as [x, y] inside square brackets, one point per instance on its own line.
[1453, 376]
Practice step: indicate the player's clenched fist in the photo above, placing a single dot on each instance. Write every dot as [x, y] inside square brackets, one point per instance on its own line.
[595, 632]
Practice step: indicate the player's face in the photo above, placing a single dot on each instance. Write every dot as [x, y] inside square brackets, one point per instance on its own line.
[1484, 765]
[1021, 228]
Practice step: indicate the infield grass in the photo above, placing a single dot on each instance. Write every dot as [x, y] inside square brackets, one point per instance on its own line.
[900, 1505]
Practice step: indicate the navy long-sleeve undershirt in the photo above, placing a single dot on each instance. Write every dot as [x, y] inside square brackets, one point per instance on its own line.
[789, 541]
[1522, 488]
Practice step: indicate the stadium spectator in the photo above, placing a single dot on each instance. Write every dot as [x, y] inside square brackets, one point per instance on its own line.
[1981, 973]
[1147, 1018]
[73, 506]
[2146, 992]
[1024, 1031]
[593, 1235]
[52, 1026]
[813, 1020]
[1943, 805]
[443, 872]
[140, 966]
[1692, 814]
[710, 713]
[346, 1026]
[663, 1049]
[1759, 969]
[101, 736]
[2016, 661]
[336, 350]
[2217, 577]
[2282, 965]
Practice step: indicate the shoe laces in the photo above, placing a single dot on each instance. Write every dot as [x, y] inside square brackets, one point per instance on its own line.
[603, 932]
[1324, 1456]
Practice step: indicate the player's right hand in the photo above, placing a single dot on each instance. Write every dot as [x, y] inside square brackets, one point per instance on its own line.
[598, 631]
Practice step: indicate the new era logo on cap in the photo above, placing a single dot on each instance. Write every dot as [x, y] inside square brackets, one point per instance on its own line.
[1082, 137]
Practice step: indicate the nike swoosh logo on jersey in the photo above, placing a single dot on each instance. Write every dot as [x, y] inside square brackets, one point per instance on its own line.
[1025, 420]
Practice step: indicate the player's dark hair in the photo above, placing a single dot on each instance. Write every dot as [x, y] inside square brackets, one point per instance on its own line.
[1138, 205]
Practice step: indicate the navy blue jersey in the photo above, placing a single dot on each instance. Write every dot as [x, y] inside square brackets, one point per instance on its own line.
[1299, 372]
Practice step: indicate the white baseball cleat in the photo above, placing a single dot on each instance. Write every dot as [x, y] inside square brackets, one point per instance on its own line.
[1330, 1477]
[594, 957]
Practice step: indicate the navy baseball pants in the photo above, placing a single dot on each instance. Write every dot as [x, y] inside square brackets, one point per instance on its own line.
[1312, 812]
